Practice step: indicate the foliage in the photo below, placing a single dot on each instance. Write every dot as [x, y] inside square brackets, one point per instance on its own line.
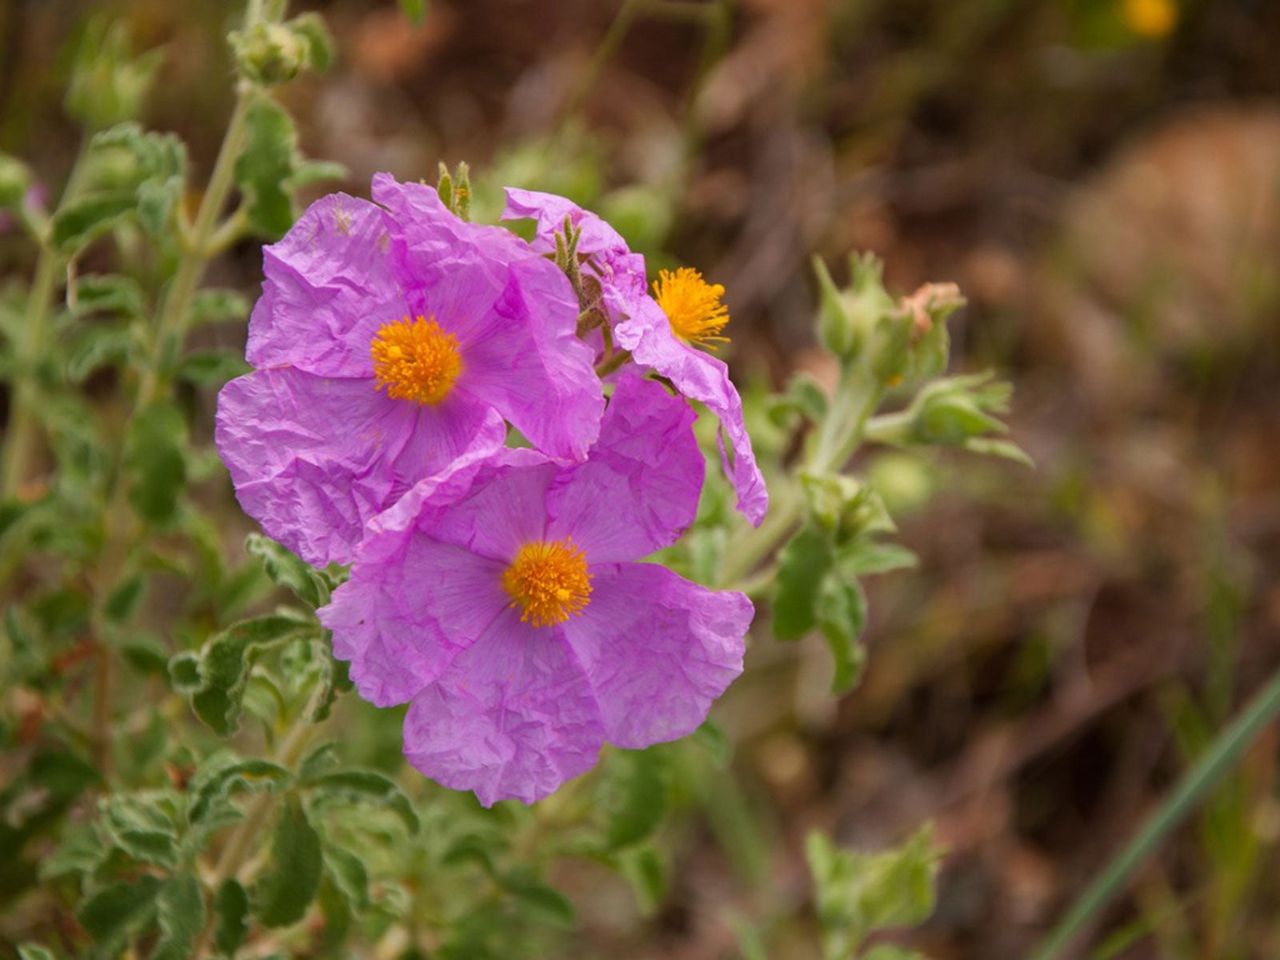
[182, 786]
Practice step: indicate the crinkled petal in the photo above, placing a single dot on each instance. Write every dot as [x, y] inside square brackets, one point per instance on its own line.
[514, 313]
[699, 376]
[657, 650]
[529, 364]
[639, 489]
[410, 605]
[329, 286]
[550, 211]
[313, 459]
[512, 718]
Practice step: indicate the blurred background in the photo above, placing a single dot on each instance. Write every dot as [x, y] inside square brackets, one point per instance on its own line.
[1102, 178]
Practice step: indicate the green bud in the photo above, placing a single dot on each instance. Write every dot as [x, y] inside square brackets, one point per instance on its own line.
[15, 179]
[845, 506]
[849, 320]
[270, 53]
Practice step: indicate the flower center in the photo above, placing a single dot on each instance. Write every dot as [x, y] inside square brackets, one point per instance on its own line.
[692, 305]
[415, 360]
[548, 580]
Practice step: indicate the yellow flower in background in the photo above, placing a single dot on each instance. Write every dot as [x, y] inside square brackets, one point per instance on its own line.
[1151, 18]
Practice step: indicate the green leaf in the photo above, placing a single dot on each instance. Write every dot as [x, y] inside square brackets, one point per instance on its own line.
[142, 826]
[123, 599]
[802, 566]
[415, 10]
[218, 305]
[98, 345]
[284, 892]
[263, 169]
[311, 28]
[217, 689]
[842, 616]
[320, 759]
[543, 903]
[181, 914]
[219, 780]
[858, 893]
[211, 368]
[80, 222]
[635, 797]
[33, 951]
[349, 875]
[368, 786]
[155, 458]
[106, 293]
[230, 917]
[287, 570]
[115, 913]
[865, 556]
[647, 875]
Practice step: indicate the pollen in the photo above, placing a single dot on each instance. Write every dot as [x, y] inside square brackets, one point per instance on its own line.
[415, 360]
[548, 581]
[692, 305]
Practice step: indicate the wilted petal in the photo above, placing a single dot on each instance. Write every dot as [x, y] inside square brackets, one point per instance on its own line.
[657, 650]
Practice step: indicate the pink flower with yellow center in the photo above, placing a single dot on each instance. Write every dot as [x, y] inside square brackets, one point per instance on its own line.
[503, 600]
[667, 333]
[392, 339]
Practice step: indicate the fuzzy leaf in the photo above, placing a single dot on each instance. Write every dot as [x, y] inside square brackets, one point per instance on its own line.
[80, 222]
[803, 564]
[842, 615]
[116, 912]
[636, 797]
[263, 169]
[230, 917]
[181, 915]
[155, 456]
[288, 570]
[369, 786]
[284, 892]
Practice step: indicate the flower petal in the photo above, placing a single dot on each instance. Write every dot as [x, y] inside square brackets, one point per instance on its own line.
[657, 650]
[329, 286]
[639, 489]
[528, 363]
[313, 459]
[411, 604]
[512, 718]
[699, 376]
[514, 313]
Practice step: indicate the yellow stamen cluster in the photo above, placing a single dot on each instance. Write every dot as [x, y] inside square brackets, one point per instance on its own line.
[415, 360]
[692, 305]
[549, 581]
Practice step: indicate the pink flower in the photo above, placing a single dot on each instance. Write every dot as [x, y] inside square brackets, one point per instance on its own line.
[661, 334]
[502, 600]
[390, 340]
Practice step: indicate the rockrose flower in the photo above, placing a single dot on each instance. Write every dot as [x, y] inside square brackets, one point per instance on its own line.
[390, 340]
[502, 600]
[664, 332]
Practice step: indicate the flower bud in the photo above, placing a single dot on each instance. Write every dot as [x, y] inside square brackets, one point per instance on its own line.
[848, 319]
[15, 179]
[108, 84]
[270, 53]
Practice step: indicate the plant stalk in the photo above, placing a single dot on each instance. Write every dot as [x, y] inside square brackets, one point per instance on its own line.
[1221, 757]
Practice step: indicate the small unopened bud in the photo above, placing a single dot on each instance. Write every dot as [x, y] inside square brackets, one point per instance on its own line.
[15, 179]
[270, 53]
[848, 318]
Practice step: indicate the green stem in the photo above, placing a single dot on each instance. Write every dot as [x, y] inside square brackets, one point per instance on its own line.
[20, 438]
[1221, 757]
[177, 304]
[617, 30]
[21, 435]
